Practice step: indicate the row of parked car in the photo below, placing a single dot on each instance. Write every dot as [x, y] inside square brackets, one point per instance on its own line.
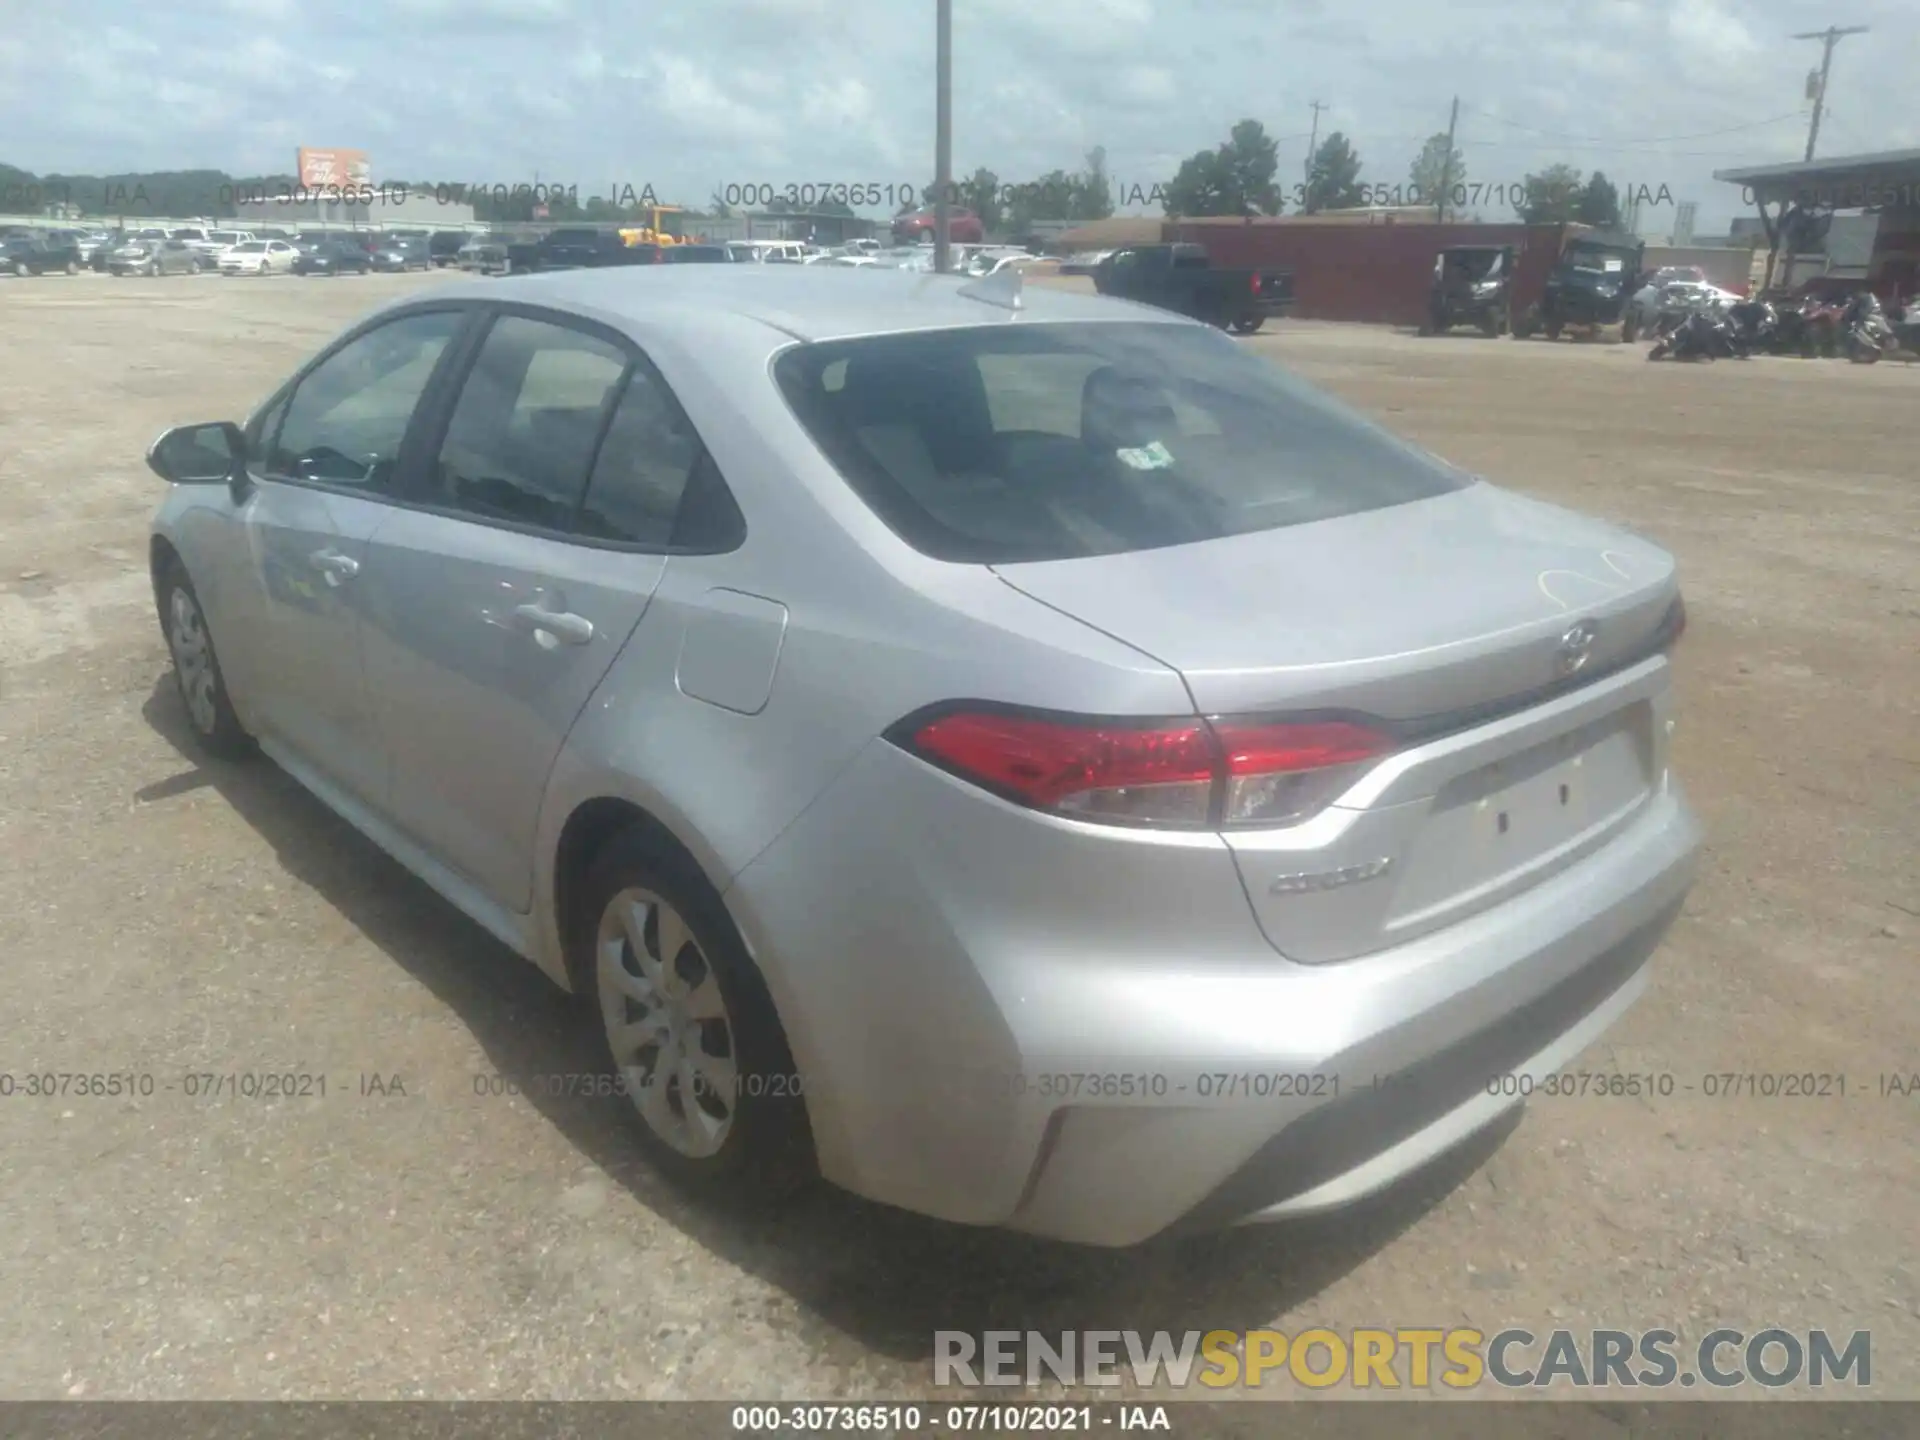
[156, 250]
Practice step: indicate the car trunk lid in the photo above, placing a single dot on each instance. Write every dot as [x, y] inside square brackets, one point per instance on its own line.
[1505, 644]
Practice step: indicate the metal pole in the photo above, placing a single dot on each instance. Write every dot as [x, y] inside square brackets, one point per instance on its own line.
[1828, 37]
[942, 130]
[1446, 166]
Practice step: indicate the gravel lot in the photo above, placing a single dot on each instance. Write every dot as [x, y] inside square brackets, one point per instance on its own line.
[164, 917]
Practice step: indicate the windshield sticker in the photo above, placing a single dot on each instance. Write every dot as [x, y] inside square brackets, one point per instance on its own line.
[1148, 457]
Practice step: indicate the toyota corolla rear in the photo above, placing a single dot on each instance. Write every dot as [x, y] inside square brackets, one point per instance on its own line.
[1300, 798]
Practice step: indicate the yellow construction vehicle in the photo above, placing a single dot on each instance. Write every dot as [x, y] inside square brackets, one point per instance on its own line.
[653, 232]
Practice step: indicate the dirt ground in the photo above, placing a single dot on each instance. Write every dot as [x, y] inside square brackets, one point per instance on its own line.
[164, 917]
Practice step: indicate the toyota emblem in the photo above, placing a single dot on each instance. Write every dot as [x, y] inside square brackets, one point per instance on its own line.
[1576, 647]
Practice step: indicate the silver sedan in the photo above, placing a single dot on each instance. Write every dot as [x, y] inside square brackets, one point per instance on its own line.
[1021, 756]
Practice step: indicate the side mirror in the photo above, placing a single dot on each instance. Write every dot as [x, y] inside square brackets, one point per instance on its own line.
[210, 454]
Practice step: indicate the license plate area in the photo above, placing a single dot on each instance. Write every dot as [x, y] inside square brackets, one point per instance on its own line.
[1518, 819]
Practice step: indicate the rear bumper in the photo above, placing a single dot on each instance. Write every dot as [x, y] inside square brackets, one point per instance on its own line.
[1001, 1018]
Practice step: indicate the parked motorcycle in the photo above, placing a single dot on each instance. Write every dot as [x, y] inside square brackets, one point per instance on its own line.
[1701, 334]
[1866, 333]
[1754, 327]
[1821, 326]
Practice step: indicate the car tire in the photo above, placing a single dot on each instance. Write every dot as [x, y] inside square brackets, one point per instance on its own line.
[1248, 324]
[153, 269]
[21, 268]
[196, 668]
[73, 267]
[656, 946]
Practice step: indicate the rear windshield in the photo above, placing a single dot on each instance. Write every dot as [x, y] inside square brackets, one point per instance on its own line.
[1052, 442]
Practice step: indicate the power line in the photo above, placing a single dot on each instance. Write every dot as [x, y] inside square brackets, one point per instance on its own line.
[1650, 140]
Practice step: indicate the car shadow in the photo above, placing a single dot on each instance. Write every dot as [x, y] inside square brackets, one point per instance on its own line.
[883, 1277]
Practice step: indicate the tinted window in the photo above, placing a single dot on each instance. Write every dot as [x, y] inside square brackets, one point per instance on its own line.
[346, 420]
[642, 469]
[523, 433]
[1056, 441]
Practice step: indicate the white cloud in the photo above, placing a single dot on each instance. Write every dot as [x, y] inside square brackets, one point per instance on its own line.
[1709, 33]
[690, 97]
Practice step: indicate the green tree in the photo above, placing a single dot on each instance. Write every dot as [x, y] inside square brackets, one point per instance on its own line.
[1333, 176]
[717, 208]
[1436, 168]
[1236, 178]
[1551, 197]
[980, 193]
[1599, 203]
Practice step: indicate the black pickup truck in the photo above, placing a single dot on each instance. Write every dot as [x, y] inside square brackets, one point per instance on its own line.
[580, 249]
[1181, 278]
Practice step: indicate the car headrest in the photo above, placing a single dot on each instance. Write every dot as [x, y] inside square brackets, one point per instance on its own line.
[1120, 411]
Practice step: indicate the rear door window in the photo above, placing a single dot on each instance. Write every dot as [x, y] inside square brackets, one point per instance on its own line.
[523, 433]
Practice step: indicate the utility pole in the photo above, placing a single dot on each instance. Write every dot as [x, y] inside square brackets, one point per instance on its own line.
[1313, 140]
[1828, 37]
[942, 130]
[1446, 166]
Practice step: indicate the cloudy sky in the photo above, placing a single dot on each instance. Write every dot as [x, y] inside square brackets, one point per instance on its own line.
[692, 95]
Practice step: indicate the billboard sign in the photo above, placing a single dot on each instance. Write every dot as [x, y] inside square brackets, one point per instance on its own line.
[319, 169]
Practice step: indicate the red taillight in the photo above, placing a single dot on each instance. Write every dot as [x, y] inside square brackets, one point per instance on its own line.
[1255, 284]
[1189, 774]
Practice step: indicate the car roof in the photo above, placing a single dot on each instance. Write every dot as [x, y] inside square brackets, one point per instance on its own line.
[806, 302]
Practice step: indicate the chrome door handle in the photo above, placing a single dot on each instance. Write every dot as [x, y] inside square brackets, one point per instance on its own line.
[563, 626]
[335, 566]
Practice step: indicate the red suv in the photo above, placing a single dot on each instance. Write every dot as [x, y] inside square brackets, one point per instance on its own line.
[963, 228]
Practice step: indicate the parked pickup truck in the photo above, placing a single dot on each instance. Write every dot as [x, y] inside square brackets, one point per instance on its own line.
[580, 249]
[1181, 278]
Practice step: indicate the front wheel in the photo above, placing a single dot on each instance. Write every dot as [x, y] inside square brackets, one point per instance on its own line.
[1629, 328]
[196, 669]
[688, 1026]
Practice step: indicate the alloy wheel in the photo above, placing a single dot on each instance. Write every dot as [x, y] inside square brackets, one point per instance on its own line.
[193, 660]
[667, 1023]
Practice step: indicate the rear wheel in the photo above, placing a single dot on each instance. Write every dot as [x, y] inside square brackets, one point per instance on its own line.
[73, 267]
[688, 1026]
[1248, 324]
[196, 668]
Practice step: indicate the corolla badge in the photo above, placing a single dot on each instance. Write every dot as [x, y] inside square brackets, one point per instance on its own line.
[1306, 882]
[1576, 647]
